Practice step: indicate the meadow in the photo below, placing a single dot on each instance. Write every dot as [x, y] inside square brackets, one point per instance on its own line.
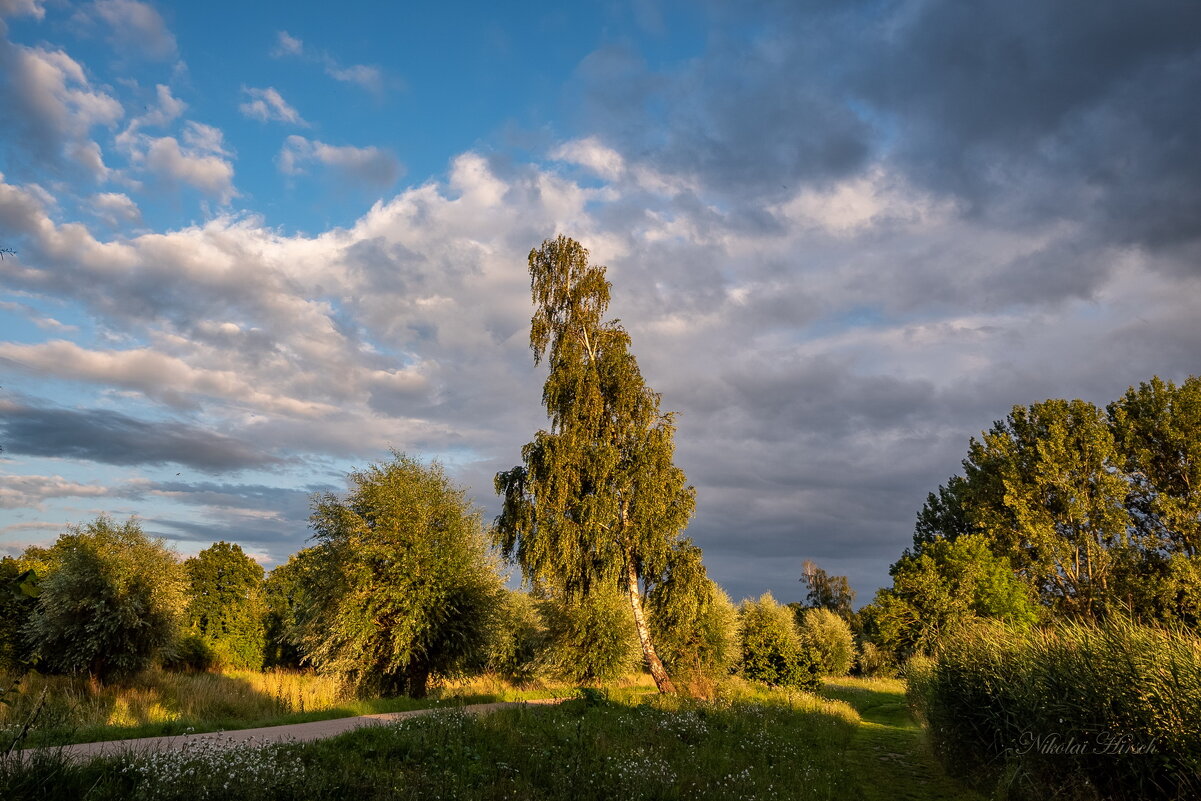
[854, 739]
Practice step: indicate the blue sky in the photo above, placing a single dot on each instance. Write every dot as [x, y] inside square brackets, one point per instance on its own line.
[257, 246]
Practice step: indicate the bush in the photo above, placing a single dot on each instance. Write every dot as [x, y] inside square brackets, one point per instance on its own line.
[828, 639]
[226, 606]
[1074, 711]
[772, 651]
[590, 640]
[192, 654]
[400, 587]
[874, 661]
[517, 639]
[111, 604]
[693, 624]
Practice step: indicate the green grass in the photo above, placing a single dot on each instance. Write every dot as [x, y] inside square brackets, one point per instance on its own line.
[892, 758]
[749, 744]
[854, 741]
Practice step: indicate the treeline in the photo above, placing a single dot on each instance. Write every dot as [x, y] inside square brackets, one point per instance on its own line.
[399, 588]
[1064, 510]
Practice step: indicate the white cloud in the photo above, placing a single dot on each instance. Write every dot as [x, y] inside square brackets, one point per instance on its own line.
[287, 45]
[267, 105]
[372, 166]
[53, 106]
[116, 209]
[18, 8]
[135, 26]
[18, 491]
[365, 76]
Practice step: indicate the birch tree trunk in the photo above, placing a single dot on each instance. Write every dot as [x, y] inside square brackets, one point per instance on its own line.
[658, 672]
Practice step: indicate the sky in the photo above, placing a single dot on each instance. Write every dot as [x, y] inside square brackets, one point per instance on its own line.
[259, 245]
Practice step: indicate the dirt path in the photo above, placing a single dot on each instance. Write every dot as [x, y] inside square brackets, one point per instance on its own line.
[892, 761]
[293, 732]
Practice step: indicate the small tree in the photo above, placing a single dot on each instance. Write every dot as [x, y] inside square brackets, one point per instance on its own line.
[19, 590]
[693, 621]
[111, 602]
[225, 604]
[597, 502]
[772, 651]
[402, 586]
[826, 591]
[828, 639]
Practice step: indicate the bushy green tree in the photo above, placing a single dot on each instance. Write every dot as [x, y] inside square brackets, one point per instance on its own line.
[111, 602]
[772, 651]
[590, 639]
[943, 585]
[226, 608]
[399, 586]
[598, 501]
[517, 639]
[828, 639]
[694, 625]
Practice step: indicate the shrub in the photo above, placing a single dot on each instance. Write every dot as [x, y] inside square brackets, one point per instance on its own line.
[828, 639]
[1073, 710]
[590, 640]
[874, 661]
[517, 639]
[192, 654]
[111, 603]
[772, 651]
[693, 624]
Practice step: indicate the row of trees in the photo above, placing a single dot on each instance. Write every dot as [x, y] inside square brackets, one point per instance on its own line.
[400, 586]
[1063, 510]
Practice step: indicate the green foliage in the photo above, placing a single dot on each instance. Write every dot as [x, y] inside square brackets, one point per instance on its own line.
[19, 588]
[693, 623]
[826, 591]
[589, 639]
[827, 637]
[399, 587]
[772, 650]
[193, 654]
[946, 584]
[226, 608]
[1073, 710]
[517, 639]
[283, 594]
[597, 502]
[1097, 513]
[110, 604]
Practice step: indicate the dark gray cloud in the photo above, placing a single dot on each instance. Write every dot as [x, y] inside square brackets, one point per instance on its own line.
[109, 437]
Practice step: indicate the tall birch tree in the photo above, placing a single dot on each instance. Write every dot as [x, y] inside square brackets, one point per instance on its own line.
[598, 500]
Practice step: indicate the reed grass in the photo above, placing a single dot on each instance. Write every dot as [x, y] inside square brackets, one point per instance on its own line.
[1071, 710]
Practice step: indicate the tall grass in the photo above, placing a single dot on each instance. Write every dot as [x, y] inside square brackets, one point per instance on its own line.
[1068, 711]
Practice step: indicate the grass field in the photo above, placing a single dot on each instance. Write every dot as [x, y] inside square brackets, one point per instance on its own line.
[855, 740]
[156, 703]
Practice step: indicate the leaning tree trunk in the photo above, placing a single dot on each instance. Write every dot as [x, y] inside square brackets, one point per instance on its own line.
[658, 672]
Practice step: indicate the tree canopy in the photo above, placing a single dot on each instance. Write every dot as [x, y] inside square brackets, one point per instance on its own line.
[598, 501]
[225, 604]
